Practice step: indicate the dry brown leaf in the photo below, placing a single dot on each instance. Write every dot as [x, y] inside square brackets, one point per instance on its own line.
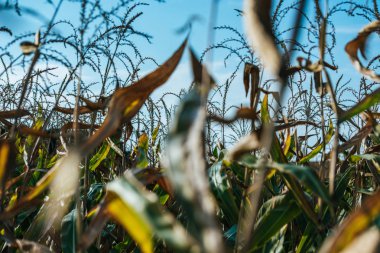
[359, 43]
[14, 114]
[81, 110]
[126, 102]
[199, 70]
[241, 113]
[251, 80]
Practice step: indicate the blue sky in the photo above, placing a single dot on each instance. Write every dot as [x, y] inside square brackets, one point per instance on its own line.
[161, 20]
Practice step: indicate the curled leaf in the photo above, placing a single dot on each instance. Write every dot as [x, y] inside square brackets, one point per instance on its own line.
[359, 43]
[28, 47]
[245, 144]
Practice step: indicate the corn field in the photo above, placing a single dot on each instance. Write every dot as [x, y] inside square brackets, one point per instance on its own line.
[99, 165]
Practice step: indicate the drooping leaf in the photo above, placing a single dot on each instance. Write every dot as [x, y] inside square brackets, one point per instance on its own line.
[81, 110]
[306, 176]
[28, 47]
[14, 114]
[126, 102]
[241, 113]
[199, 71]
[313, 67]
[357, 138]
[359, 43]
[251, 80]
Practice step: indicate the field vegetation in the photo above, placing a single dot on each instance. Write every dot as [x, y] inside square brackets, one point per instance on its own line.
[101, 166]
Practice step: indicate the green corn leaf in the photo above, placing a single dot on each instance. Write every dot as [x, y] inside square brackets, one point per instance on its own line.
[306, 176]
[318, 149]
[223, 192]
[69, 232]
[276, 213]
[97, 159]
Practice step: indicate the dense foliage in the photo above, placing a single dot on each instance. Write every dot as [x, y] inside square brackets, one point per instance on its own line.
[99, 166]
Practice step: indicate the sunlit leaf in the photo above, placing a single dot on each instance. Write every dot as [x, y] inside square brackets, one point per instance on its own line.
[141, 215]
[7, 161]
[68, 164]
[142, 150]
[99, 157]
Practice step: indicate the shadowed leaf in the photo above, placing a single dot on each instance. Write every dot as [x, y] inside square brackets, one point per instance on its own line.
[223, 191]
[306, 176]
[276, 213]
